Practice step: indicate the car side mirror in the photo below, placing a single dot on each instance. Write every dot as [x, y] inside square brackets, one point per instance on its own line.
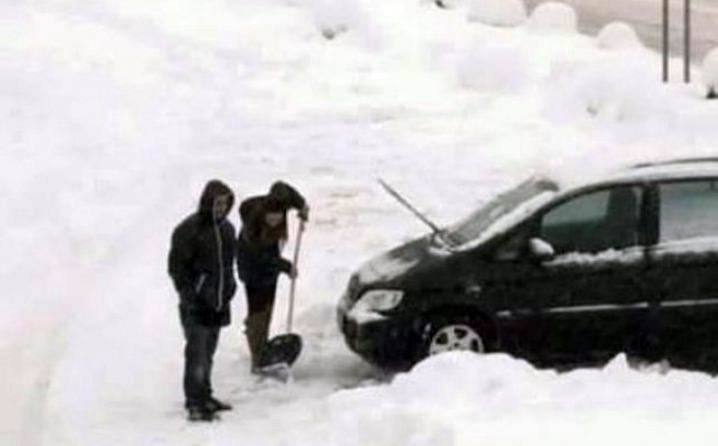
[540, 250]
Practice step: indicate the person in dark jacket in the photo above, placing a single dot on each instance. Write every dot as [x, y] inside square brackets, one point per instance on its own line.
[201, 262]
[259, 260]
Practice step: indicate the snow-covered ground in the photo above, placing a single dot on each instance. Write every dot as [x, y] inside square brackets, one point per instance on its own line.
[114, 114]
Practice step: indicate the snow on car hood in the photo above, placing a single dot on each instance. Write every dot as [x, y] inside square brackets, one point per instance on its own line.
[393, 264]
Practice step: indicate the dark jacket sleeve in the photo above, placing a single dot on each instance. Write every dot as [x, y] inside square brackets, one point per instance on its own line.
[283, 265]
[180, 261]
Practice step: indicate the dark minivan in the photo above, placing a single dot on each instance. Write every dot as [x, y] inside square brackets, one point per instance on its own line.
[562, 275]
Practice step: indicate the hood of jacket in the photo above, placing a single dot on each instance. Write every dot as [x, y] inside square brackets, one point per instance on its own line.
[212, 190]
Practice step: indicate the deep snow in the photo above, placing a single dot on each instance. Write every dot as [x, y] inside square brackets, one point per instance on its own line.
[114, 115]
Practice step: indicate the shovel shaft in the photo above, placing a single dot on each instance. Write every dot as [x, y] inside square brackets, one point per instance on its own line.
[293, 284]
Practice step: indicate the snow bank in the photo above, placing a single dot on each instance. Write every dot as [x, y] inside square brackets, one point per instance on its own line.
[334, 17]
[618, 36]
[613, 90]
[710, 69]
[478, 396]
[498, 12]
[553, 16]
[493, 67]
[116, 113]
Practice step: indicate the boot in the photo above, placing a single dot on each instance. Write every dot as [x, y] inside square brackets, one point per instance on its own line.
[215, 405]
[200, 413]
[256, 338]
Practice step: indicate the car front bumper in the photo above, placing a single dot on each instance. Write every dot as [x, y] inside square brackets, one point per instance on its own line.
[381, 340]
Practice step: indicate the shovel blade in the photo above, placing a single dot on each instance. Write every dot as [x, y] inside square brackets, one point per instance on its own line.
[282, 349]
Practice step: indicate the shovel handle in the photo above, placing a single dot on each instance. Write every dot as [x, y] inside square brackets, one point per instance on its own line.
[293, 284]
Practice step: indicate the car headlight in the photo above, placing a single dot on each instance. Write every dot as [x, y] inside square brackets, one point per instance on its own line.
[379, 300]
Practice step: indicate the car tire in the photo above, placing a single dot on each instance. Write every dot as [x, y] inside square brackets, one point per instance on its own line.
[444, 333]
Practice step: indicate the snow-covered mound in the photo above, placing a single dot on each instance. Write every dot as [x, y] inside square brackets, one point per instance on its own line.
[554, 16]
[616, 90]
[498, 12]
[493, 68]
[333, 17]
[618, 36]
[710, 69]
[115, 114]
[479, 397]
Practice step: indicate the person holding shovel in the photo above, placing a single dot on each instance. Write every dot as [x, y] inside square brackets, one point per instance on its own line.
[259, 260]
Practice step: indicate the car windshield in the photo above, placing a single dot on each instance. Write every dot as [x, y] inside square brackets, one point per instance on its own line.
[475, 224]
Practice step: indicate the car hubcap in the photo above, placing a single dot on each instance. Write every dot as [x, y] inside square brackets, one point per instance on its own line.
[456, 337]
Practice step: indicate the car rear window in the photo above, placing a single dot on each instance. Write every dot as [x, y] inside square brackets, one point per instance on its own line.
[688, 210]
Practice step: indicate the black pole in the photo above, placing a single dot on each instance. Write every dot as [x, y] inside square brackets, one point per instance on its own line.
[666, 17]
[687, 42]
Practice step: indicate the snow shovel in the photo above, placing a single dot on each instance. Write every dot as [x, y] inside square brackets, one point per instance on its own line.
[281, 351]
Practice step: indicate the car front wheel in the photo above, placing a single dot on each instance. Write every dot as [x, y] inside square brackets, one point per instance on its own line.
[456, 337]
[458, 333]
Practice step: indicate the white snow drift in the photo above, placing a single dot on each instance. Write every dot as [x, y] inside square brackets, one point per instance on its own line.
[553, 16]
[498, 12]
[493, 67]
[618, 36]
[114, 114]
[490, 393]
[334, 17]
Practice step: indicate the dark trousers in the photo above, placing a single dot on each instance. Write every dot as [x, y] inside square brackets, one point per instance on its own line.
[200, 345]
[260, 303]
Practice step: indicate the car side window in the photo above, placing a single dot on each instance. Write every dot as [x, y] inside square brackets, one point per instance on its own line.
[594, 222]
[688, 210]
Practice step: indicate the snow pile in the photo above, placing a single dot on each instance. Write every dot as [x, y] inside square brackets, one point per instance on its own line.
[466, 399]
[553, 16]
[618, 36]
[612, 90]
[333, 17]
[498, 12]
[710, 70]
[116, 113]
[493, 67]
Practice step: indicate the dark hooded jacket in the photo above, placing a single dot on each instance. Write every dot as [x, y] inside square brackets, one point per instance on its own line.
[201, 261]
[258, 249]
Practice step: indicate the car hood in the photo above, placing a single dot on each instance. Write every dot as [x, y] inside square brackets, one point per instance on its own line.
[408, 266]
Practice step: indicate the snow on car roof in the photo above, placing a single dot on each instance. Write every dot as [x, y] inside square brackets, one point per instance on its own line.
[677, 169]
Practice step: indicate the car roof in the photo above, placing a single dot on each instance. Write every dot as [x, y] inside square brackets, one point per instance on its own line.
[558, 186]
[667, 170]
